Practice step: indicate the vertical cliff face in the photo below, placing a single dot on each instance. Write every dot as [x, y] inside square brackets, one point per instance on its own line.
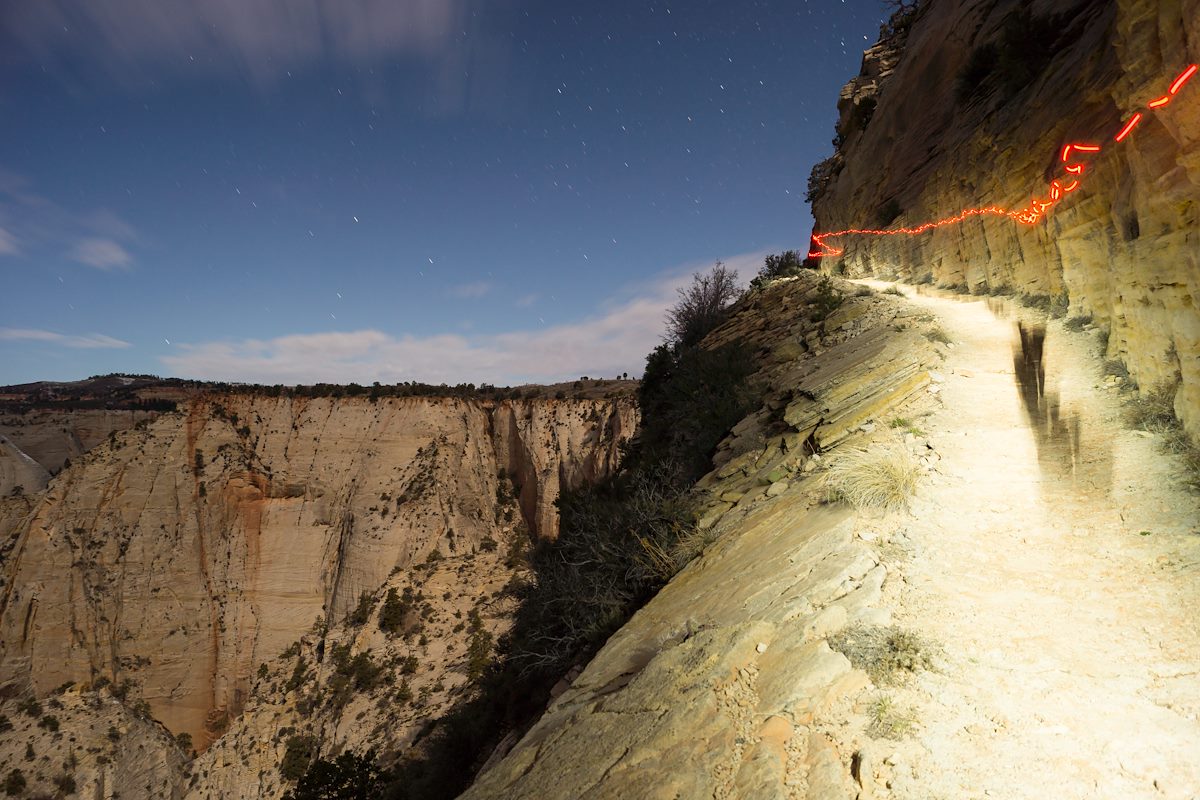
[178, 557]
[949, 127]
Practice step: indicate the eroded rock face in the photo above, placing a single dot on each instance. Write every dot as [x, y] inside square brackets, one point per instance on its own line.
[722, 685]
[1124, 248]
[183, 555]
[51, 438]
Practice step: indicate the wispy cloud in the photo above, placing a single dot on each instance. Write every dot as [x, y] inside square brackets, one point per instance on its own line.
[613, 341]
[259, 39]
[88, 341]
[34, 226]
[8, 244]
[102, 254]
[525, 301]
[471, 290]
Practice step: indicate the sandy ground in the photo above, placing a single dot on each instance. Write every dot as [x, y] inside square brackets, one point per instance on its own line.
[1054, 558]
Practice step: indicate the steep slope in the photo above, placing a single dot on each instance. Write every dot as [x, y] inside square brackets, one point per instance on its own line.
[176, 559]
[972, 104]
[723, 685]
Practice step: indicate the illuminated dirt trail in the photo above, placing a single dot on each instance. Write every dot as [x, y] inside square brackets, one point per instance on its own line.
[1056, 561]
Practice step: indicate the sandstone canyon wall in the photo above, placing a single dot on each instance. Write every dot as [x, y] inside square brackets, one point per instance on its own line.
[1124, 248]
[179, 558]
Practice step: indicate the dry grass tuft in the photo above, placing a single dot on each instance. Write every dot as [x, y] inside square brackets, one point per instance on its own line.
[884, 653]
[889, 721]
[881, 476]
[937, 335]
[1155, 412]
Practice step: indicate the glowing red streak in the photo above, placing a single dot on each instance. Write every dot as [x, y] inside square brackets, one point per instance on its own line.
[1028, 215]
[1129, 127]
[1182, 79]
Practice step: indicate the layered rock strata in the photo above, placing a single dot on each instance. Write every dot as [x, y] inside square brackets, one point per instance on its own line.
[177, 560]
[951, 129]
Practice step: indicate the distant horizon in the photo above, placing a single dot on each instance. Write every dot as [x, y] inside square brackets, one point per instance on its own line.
[458, 192]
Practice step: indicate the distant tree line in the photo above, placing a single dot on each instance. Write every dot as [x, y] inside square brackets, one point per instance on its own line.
[86, 403]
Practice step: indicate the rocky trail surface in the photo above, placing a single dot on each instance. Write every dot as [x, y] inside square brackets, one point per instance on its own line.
[1053, 559]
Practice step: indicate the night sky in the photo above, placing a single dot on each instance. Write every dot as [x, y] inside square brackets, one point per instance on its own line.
[435, 190]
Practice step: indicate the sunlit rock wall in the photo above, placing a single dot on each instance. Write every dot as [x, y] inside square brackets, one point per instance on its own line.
[1124, 248]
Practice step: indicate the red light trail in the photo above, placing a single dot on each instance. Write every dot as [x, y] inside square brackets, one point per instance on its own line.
[1037, 208]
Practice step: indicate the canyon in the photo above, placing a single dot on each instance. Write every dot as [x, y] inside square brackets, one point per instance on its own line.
[171, 564]
[198, 603]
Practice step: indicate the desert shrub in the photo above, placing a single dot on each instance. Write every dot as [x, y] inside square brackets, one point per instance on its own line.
[297, 756]
[881, 476]
[886, 654]
[14, 783]
[937, 335]
[783, 265]
[299, 675]
[350, 776]
[702, 305]
[479, 648]
[395, 610]
[825, 301]
[1078, 323]
[65, 783]
[1154, 411]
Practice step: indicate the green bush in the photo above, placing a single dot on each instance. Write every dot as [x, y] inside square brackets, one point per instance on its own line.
[299, 675]
[396, 609]
[348, 777]
[14, 784]
[297, 756]
[784, 265]
[361, 614]
[826, 301]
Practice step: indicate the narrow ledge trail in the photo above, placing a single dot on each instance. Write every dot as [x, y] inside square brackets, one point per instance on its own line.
[1054, 559]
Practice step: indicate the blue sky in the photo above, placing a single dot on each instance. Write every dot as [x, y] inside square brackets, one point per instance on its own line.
[438, 190]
